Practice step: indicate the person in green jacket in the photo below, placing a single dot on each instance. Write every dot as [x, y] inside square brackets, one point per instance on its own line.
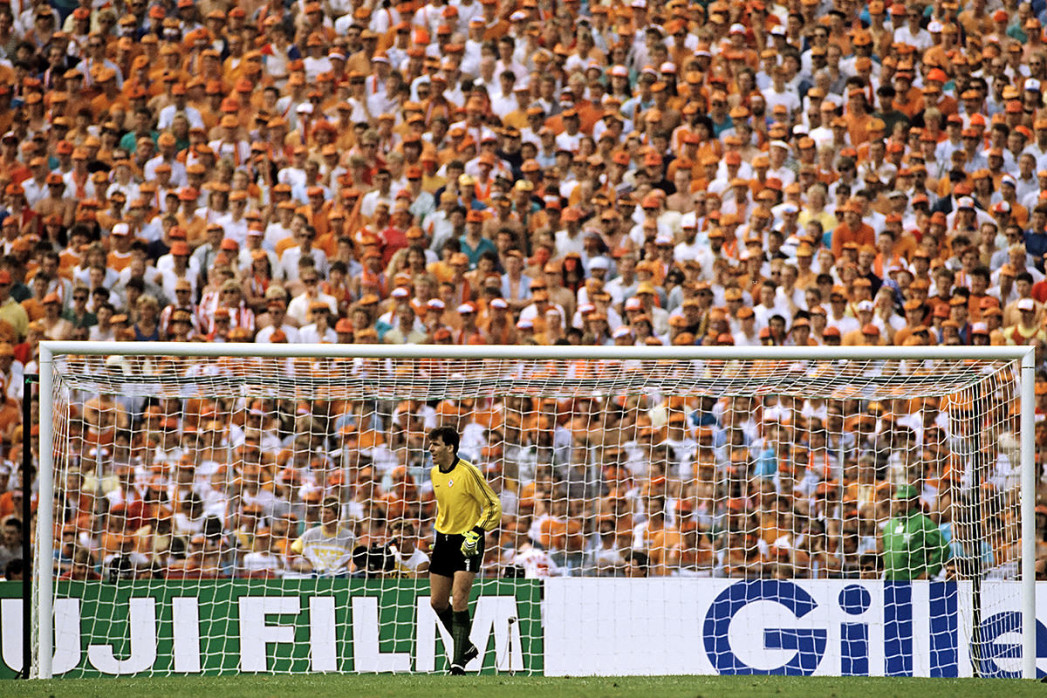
[913, 546]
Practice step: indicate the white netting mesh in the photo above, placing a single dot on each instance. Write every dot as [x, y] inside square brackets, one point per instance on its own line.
[170, 469]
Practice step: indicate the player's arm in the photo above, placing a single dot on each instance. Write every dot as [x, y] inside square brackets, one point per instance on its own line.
[491, 506]
[490, 512]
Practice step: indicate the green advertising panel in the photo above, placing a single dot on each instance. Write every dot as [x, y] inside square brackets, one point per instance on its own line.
[288, 626]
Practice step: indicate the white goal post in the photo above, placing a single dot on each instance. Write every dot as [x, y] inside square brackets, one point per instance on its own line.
[641, 364]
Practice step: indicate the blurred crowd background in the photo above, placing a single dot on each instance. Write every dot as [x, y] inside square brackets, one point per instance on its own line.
[521, 172]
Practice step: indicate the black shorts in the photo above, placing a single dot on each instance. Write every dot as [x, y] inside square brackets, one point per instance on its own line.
[447, 556]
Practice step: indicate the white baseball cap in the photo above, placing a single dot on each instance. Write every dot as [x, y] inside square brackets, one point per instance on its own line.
[599, 263]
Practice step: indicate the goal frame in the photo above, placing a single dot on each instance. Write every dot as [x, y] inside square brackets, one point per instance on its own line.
[48, 350]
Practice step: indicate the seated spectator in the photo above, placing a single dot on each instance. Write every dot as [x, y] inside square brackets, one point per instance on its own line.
[325, 549]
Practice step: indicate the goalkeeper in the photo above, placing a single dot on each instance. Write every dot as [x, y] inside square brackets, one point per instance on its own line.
[466, 508]
[913, 546]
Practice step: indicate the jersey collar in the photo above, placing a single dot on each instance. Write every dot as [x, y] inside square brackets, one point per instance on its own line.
[453, 463]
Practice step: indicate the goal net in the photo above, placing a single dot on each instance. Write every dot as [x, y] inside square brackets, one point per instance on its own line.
[206, 509]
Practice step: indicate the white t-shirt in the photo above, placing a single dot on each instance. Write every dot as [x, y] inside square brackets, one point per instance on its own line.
[326, 554]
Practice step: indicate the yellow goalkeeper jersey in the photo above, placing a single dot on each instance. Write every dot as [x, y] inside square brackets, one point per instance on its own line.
[464, 499]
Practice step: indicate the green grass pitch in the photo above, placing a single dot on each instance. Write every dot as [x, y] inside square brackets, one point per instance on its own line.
[431, 686]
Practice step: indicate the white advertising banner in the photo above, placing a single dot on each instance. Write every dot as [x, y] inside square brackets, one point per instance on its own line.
[815, 627]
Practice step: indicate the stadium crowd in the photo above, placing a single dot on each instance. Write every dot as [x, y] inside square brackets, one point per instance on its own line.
[520, 172]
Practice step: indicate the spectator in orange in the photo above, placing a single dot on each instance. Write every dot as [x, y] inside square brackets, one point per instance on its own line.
[852, 230]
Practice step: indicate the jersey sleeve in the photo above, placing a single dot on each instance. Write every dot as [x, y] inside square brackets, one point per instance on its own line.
[491, 506]
[937, 548]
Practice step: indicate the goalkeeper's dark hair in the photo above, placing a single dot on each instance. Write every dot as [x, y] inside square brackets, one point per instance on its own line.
[449, 435]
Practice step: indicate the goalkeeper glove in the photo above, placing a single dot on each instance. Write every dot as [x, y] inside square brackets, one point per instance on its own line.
[470, 543]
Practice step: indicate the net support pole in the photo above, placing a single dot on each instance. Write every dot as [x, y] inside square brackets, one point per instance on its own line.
[1028, 514]
[27, 517]
[839, 502]
[977, 426]
[45, 522]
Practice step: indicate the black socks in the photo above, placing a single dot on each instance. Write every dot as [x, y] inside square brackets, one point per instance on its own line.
[460, 627]
[445, 617]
